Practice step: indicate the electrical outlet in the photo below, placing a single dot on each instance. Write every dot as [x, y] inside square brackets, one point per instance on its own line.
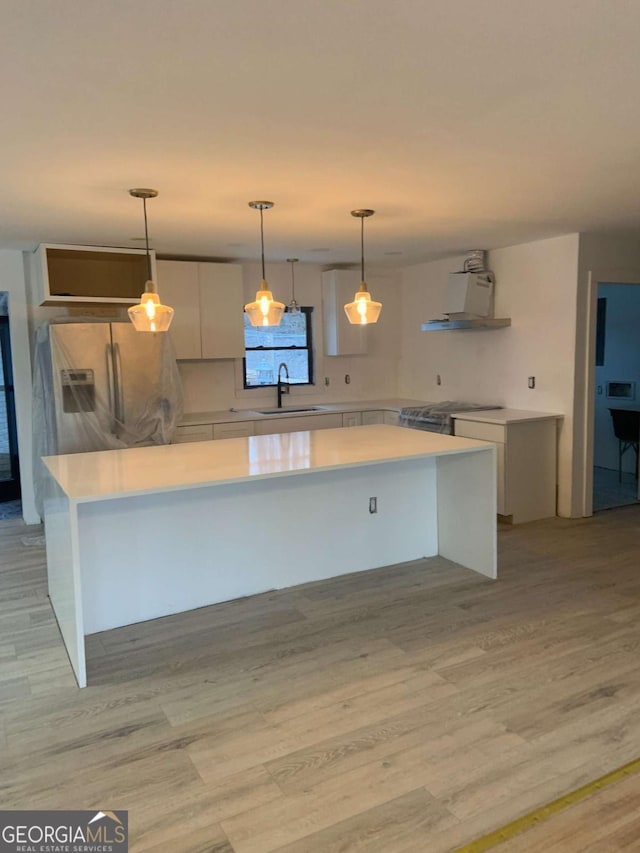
[532, 382]
[373, 505]
[438, 379]
[327, 381]
[599, 389]
[347, 379]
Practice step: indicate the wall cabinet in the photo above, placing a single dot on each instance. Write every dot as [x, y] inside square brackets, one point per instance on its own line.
[208, 300]
[526, 464]
[340, 337]
[66, 275]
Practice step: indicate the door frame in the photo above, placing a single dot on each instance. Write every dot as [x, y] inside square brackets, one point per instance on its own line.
[588, 375]
[9, 489]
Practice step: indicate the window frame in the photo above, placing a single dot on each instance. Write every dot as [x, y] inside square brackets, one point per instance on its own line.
[308, 312]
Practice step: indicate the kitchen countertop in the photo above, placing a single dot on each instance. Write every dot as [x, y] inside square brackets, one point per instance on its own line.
[503, 417]
[108, 474]
[229, 416]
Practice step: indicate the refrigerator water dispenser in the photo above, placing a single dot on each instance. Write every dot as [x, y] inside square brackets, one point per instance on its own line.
[78, 391]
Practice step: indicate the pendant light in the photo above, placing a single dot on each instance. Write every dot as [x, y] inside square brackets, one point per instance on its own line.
[293, 307]
[264, 311]
[149, 315]
[362, 310]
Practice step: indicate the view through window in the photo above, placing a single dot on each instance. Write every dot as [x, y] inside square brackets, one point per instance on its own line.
[266, 347]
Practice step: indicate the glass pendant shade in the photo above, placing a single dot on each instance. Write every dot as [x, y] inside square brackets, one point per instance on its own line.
[293, 307]
[149, 315]
[265, 311]
[363, 310]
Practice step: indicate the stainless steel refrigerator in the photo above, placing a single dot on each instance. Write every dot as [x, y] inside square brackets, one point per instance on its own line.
[102, 386]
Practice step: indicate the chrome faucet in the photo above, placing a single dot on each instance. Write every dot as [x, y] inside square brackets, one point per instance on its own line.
[283, 387]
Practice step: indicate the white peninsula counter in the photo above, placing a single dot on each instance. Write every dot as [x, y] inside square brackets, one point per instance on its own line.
[142, 533]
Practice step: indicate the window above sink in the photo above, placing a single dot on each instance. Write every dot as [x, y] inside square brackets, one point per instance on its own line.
[267, 347]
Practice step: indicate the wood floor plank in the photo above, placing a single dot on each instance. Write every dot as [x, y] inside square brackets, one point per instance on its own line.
[408, 709]
[388, 828]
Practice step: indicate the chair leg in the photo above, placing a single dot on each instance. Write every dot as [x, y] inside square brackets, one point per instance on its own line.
[619, 461]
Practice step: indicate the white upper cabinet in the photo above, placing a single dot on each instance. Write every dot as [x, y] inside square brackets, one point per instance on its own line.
[178, 287]
[208, 303]
[89, 274]
[221, 310]
[340, 337]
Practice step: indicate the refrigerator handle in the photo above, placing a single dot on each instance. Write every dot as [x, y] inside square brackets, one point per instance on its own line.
[117, 385]
[111, 386]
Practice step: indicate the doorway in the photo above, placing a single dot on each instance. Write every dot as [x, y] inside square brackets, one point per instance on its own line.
[9, 464]
[616, 397]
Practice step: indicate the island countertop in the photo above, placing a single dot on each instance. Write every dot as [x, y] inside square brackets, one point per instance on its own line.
[108, 474]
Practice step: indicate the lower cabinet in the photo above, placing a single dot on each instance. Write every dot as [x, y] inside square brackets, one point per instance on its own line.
[269, 426]
[369, 418]
[526, 465]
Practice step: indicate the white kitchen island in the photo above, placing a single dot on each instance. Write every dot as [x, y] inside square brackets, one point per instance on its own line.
[137, 534]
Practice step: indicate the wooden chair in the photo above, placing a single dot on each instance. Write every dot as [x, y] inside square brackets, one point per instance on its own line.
[626, 427]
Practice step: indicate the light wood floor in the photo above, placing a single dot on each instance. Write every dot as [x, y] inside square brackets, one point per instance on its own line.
[406, 710]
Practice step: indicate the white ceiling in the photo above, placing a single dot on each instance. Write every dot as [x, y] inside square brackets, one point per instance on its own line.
[464, 123]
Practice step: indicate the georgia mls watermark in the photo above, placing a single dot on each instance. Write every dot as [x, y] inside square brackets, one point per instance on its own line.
[64, 832]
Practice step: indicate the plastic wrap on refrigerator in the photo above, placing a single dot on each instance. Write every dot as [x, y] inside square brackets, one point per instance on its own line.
[101, 386]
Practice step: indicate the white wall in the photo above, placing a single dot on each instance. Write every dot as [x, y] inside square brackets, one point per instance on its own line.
[536, 287]
[217, 385]
[621, 362]
[12, 280]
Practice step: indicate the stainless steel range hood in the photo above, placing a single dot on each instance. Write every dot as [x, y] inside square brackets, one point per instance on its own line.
[469, 299]
[476, 323]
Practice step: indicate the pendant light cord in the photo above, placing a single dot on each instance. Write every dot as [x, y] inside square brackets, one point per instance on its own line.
[262, 242]
[146, 238]
[362, 245]
[293, 285]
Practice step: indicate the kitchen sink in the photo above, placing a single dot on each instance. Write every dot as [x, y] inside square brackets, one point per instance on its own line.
[288, 411]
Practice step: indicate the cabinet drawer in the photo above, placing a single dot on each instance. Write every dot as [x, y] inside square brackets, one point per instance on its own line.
[482, 431]
[295, 424]
[200, 432]
[351, 419]
[236, 430]
[372, 418]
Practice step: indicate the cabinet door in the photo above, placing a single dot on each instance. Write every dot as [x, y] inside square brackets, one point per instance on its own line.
[351, 419]
[372, 418]
[178, 287]
[340, 337]
[221, 306]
